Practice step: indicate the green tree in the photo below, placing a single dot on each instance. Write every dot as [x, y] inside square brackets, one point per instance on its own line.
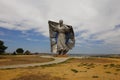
[20, 50]
[2, 47]
[27, 52]
[14, 53]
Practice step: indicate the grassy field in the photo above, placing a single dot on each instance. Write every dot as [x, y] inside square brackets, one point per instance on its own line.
[21, 59]
[72, 69]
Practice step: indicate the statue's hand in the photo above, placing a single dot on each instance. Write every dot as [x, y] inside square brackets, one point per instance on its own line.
[49, 21]
[70, 26]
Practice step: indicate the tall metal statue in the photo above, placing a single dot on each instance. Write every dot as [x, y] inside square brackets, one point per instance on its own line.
[61, 37]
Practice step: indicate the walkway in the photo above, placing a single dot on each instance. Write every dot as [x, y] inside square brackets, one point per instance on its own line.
[57, 60]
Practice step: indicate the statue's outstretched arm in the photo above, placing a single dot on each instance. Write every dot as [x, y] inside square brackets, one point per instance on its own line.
[53, 26]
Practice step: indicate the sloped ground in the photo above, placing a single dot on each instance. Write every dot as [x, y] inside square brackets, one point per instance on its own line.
[30, 61]
[6, 60]
[72, 69]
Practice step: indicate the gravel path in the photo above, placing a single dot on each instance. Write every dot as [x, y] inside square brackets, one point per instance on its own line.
[57, 60]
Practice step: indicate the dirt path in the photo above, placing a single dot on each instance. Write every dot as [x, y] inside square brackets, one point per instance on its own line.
[57, 60]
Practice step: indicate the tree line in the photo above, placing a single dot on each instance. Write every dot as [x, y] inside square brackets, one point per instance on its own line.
[17, 52]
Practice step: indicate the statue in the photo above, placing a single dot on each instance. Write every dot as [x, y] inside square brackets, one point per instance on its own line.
[61, 37]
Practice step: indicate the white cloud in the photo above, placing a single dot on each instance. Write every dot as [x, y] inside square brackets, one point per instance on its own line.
[35, 40]
[94, 16]
[110, 37]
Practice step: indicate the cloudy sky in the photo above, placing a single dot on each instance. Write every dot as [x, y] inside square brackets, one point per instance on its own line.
[24, 23]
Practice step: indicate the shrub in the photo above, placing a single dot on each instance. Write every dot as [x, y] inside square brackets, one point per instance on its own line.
[117, 69]
[108, 72]
[27, 52]
[74, 70]
[112, 65]
[95, 76]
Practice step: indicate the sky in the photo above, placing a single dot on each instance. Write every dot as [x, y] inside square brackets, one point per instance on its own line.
[96, 23]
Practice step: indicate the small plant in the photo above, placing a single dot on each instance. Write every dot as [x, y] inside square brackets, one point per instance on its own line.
[108, 72]
[95, 76]
[87, 65]
[117, 69]
[38, 77]
[88, 68]
[112, 65]
[105, 65]
[74, 70]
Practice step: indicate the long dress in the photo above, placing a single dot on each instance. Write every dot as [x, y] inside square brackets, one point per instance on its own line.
[61, 42]
[61, 37]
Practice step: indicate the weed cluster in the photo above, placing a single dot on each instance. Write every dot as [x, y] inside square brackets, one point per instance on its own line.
[38, 77]
[112, 65]
[115, 66]
[108, 72]
[74, 70]
[87, 65]
[95, 76]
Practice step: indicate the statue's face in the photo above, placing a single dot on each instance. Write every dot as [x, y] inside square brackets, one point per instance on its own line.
[61, 21]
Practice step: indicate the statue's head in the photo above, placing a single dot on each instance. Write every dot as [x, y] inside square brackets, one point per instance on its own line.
[60, 22]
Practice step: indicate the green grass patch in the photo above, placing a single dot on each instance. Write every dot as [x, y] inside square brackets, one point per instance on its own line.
[38, 77]
[117, 69]
[95, 76]
[112, 65]
[87, 65]
[108, 72]
[105, 65]
[74, 70]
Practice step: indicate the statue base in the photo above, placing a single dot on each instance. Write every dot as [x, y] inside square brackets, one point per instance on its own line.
[60, 55]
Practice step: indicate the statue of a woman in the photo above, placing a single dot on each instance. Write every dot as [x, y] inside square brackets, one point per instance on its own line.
[62, 37]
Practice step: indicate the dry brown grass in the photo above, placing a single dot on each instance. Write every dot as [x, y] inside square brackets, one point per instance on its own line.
[73, 69]
[22, 59]
[38, 77]
[93, 60]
